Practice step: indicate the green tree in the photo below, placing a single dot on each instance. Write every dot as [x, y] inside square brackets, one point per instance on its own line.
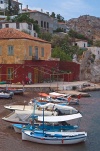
[46, 36]
[53, 15]
[57, 52]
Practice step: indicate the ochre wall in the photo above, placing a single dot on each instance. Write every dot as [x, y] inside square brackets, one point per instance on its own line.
[21, 50]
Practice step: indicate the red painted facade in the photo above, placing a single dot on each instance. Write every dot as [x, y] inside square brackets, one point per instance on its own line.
[40, 71]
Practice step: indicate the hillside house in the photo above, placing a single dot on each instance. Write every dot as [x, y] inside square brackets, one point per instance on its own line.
[26, 27]
[14, 4]
[80, 43]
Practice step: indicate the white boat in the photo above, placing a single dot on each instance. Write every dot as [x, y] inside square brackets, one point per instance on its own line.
[59, 108]
[64, 98]
[55, 119]
[19, 107]
[23, 117]
[54, 137]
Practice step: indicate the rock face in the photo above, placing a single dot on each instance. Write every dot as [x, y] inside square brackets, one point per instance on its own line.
[87, 25]
[90, 68]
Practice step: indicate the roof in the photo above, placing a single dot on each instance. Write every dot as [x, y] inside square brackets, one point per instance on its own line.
[11, 33]
[26, 9]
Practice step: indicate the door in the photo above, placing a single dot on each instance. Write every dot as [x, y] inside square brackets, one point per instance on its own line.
[35, 75]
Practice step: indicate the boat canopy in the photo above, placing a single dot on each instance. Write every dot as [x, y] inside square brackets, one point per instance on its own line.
[55, 94]
[62, 118]
[43, 94]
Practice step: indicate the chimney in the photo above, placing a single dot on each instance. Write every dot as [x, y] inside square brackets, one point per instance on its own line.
[27, 7]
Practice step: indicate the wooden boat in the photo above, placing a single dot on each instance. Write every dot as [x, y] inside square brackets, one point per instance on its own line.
[60, 126]
[64, 97]
[18, 127]
[59, 108]
[55, 137]
[23, 117]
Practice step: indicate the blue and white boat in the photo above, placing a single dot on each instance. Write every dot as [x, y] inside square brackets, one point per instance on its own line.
[54, 137]
[59, 123]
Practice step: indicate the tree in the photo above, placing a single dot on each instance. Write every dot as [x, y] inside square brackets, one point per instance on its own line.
[53, 15]
[57, 52]
[60, 18]
[46, 36]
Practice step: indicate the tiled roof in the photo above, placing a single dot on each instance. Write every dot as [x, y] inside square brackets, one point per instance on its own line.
[11, 33]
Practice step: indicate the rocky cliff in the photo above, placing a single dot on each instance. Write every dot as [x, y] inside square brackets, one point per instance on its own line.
[86, 25]
[90, 68]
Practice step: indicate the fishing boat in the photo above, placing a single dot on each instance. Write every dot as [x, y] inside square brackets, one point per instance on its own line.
[64, 97]
[23, 117]
[15, 90]
[59, 108]
[55, 137]
[4, 95]
[61, 125]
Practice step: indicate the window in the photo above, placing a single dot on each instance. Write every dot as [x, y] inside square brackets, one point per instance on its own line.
[0, 26]
[6, 25]
[41, 23]
[36, 52]
[30, 50]
[10, 50]
[30, 26]
[10, 73]
[47, 25]
[42, 52]
[0, 50]
[34, 34]
[17, 26]
[44, 24]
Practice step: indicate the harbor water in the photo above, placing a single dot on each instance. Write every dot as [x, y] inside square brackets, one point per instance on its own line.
[90, 122]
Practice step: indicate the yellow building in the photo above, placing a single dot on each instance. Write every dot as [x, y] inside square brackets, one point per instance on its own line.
[16, 46]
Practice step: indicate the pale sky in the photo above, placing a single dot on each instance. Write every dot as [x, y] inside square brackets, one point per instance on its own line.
[66, 8]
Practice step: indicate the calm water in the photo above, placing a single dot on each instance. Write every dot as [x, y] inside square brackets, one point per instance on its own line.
[90, 109]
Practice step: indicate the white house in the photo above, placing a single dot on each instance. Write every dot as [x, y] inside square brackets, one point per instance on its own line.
[14, 3]
[29, 28]
[80, 43]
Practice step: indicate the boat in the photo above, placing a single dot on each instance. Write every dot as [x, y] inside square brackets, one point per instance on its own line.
[15, 90]
[45, 137]
[23, 117]
[4, 95]
[61, 124]
[64, 97]
[54, 137]
[18, 127]
[59, 108]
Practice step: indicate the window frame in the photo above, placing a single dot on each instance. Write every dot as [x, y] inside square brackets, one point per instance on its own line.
[30, 50]
[10, 48]
[10, 73]
[42, 51]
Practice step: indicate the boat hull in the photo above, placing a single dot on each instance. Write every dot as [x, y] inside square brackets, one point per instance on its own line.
[26, 135]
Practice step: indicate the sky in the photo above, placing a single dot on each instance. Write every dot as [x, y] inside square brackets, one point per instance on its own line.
[66, 8]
